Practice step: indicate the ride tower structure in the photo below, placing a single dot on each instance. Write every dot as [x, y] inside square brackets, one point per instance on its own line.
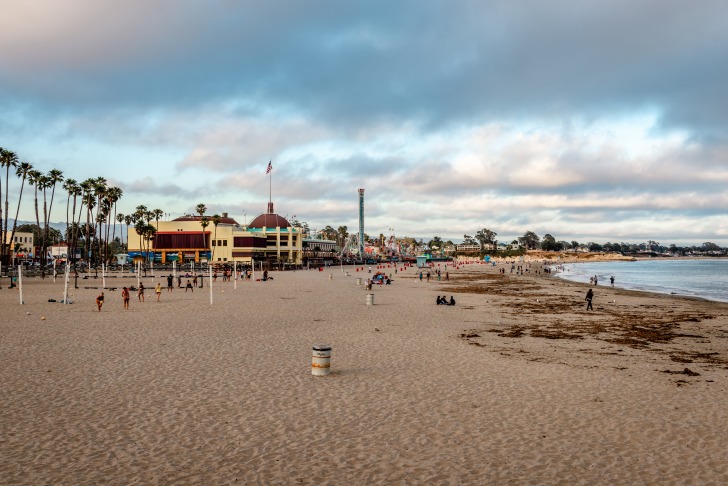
[361, 223]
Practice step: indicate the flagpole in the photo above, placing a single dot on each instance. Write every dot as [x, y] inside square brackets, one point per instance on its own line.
[270, 182]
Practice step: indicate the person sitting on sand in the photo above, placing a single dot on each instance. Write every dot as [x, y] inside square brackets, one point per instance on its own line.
[125, 297]
[189, 286]
[439, 300]
[100, 301]
[452, 301]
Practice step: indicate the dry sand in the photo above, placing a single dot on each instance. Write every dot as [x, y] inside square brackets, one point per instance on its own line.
[516, 384]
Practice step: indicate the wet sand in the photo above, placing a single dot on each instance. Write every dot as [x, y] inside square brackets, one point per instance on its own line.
[516, 384]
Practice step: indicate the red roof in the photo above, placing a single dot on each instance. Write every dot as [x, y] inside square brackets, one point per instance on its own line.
[269, 220]
[190, 217]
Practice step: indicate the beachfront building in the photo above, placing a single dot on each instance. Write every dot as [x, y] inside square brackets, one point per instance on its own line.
[269, 238]
[320, 251]
[22, 245]
[284, 243]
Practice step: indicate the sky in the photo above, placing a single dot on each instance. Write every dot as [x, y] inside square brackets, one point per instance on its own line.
[590, 120]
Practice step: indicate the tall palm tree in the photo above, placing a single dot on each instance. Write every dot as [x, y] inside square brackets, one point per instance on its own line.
[88, 200]
[100, 188]
[53, 177]
[35, 179]
[128, 221]
[8, 159]
[138, 219]
[204, 222]
[201, 208]
[120, 217]
[73, 190]
[215, 220]
[115, 194]
[21, 171]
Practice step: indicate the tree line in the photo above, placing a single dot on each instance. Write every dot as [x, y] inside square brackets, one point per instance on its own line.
[91, 212]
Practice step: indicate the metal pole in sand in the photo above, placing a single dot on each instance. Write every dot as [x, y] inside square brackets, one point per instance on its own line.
[103, 275]
[67, 276]
[210, 269]
[54, 270]
[174, 268]
[20, 282]
[139, 269]
[235, 275]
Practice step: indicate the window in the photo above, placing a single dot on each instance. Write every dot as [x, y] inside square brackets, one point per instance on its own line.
[213, 242]
[224, 242]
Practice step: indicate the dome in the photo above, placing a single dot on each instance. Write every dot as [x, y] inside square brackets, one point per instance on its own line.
[269, 220]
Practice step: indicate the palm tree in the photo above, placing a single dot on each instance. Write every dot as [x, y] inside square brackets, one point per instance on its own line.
[128, 221]
[201, 208]
[74, 190]
[53, 177]
[88, 200]
[99, 188]
[8, 159]
[68, 186]
[35, 179]
[215, 220]
[21, 171]
[120, 218]
[115, 195]
[204, 222]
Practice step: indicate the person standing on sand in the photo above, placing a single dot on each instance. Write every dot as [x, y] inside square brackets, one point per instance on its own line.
[589, 297]
[100, 301]
[140, 292]
[179, 281]
[611, 279]
[189, 286]
[125, 297]
[170, 283]
[158, 290]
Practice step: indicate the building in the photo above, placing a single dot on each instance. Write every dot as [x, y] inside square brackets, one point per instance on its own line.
[269, 237]
[316, 250]
[22, 245]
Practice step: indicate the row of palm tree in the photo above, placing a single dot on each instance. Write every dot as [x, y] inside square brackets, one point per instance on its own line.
[92, 200]
[40, 182]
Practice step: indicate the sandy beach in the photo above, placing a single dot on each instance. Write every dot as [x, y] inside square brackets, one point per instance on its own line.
[516, 384]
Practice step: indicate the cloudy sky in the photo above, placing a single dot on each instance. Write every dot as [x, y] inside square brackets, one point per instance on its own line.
[589, 120]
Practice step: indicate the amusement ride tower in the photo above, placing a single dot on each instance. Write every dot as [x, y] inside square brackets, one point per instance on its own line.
[361, 223]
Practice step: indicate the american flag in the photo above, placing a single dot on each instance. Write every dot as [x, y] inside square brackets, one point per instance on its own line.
[270, 167]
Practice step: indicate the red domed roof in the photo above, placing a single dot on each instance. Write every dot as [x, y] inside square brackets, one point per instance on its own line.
[269, 220]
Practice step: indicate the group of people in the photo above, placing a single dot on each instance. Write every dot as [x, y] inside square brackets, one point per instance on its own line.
[126, 295]
[443, 300]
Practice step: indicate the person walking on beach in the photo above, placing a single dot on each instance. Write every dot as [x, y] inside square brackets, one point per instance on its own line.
[140, 292]
[158, 290]
[100, 301]
[179, 281]
[589, 297]
[125, 297]
[611, 280]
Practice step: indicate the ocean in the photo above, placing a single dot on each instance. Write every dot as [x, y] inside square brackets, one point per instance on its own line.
[704, 278]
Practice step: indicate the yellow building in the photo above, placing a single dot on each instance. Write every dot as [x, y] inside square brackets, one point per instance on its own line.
[23, 242]
[269, 237]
